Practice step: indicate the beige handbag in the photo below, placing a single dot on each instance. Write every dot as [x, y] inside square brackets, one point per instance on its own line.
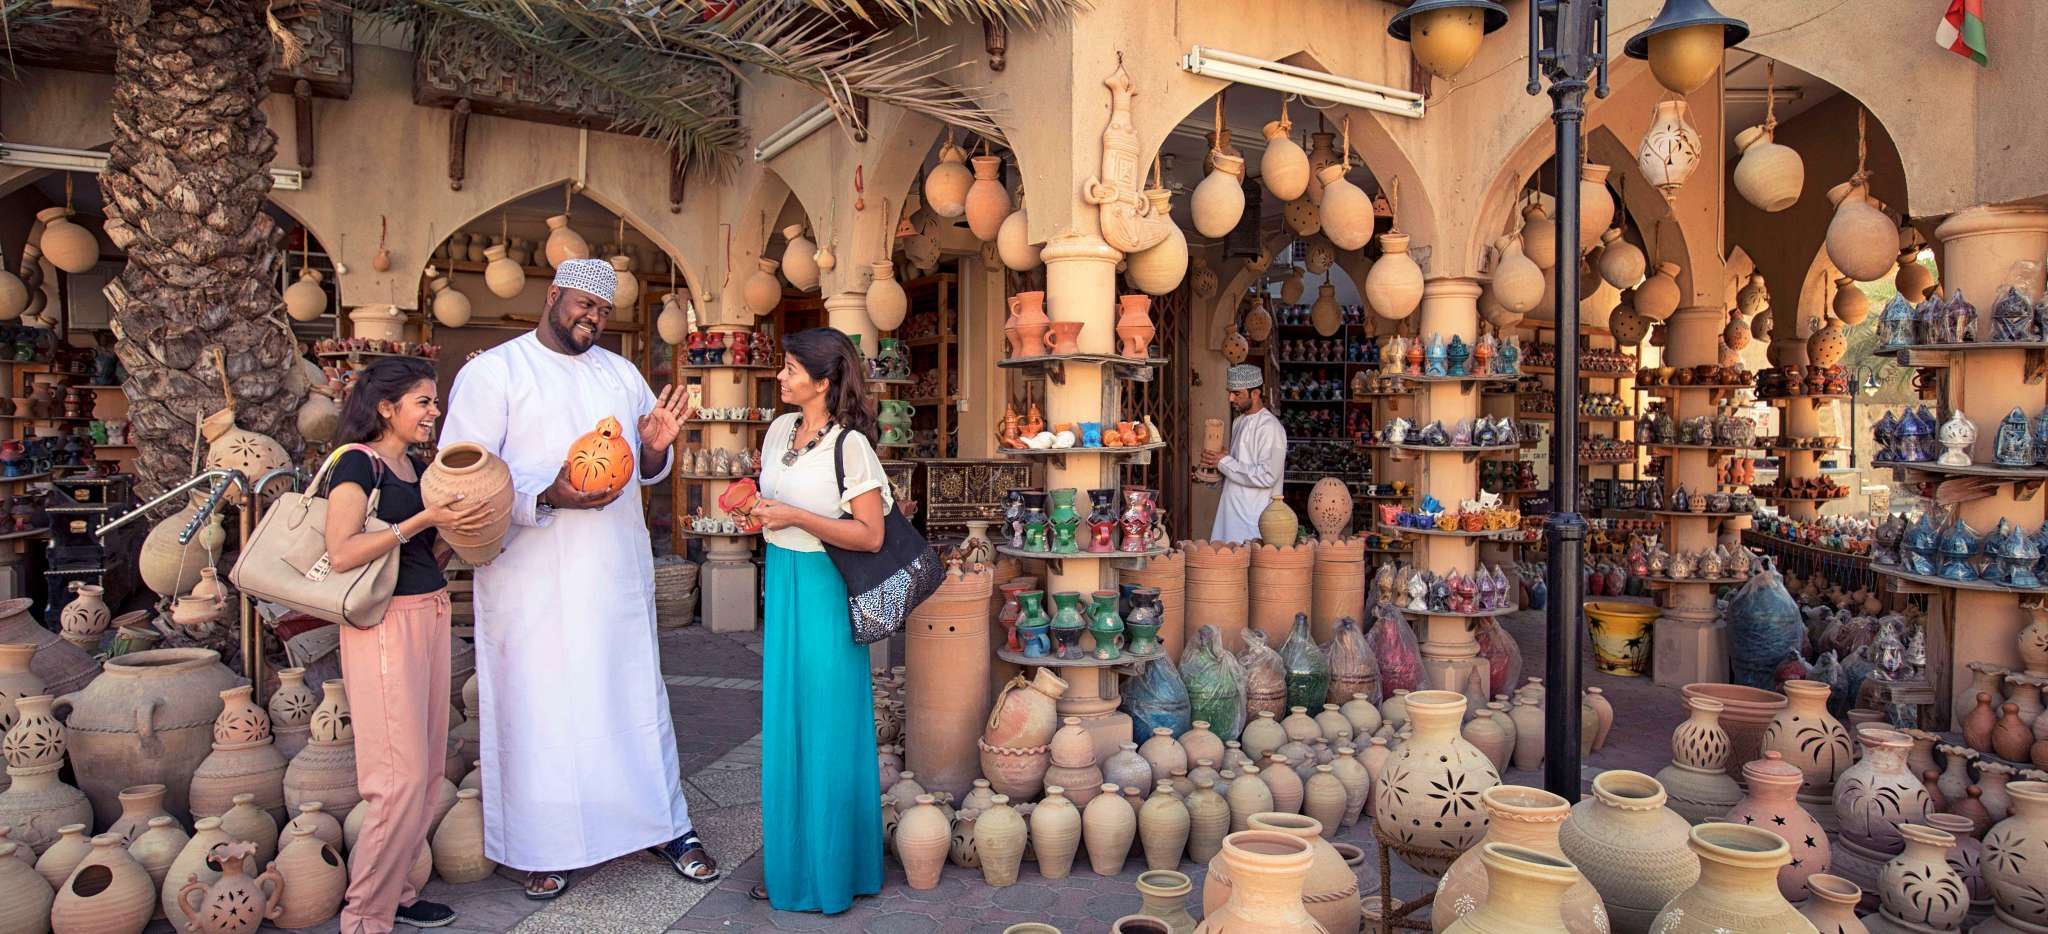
[285, 559]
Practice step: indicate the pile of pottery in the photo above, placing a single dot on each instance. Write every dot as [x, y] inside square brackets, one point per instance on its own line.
[2002, 711]
[1795, 381]
[1800, 488]
[1483, 432]
[891, 360]
[731, 413]
[1702, 375]
[1420, 590]
[1312, 351]
[1601, 449]
[1134, 525]
[1485, 514]
[1111, 634]
[1724, 430]
[1592, 359]
[1298, 386]
[340, 345]
[2008, 556]
[193, 803]
[1486, 356]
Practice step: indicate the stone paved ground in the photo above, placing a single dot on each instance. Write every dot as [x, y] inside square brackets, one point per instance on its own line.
[714, 693]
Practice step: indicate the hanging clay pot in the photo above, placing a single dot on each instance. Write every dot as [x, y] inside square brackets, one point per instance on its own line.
[1528, 819]
[564, 243]
[1737, 891]
[1851, 306]
[799, 258]
[14, 295]
[988, 202]
[673, 324]
[1827, 343]
[314, 880]
[1394, 287]
[1283, 166]
[1539, 236]
[1159, 270]
[945, 186]
[1347, 217]
[1267, 869]
[1322, 151]
[109, 893]
[1013, 242]
[1217, 203]
[1517, 281]
[1625, 324]
[626, 294]
[65, 244]
[1596, 206]
[1302, 216]
[502, 276]
[1670, 150]
[1913, 278]
[451, 308]
[1658, 296]
[1631, 847]
[467, 470]
[304, 299]
[763, 291]
[1862, 242]
[318, 417]
[887, 302]
[1621, 263]
[1769, 174]
[1734, 336]
[1324, 314]
[1436, 773]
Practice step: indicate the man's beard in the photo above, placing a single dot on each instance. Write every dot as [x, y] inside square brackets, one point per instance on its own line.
[565, 335]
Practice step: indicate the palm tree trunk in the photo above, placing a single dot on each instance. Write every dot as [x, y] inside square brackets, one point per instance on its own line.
[185, 187]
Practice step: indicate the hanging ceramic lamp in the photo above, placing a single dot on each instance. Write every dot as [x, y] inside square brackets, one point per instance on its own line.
[1494, 314]
[1218, 201]
[1517, 282]
[1685, 43]
[1322, 150]
[1346, 210]
[1621, 263]
[1327, 317]
[887, 303]
[1160, 269]
[799, 258]
[1627, 326]
[501, 275]
[1753, 298]
[305, 300]
[1596, 206]
[1394, 286]
[1292, 287]
[1658, 296]
[988, 202]
[564, 243]
[1760, 327]
[1539, 236]
[1736, 335]
[945, 186]
[1769, 174]
[1670, 150]
[1861, 241]
[1013, 241]
[673, 324]
[626, 295]
[65, 244]
[1302, 216]
[1284, 166]
[1444, 35]
[1851, 306]
[451, 307]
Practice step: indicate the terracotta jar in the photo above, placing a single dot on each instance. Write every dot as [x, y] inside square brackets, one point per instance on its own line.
[233, 903]
[1745, 712]
[1813, 740]
[1324, 799]
[156, 848]
[999, 836]
[1032, 323]
[1602, 708]
[246, 821]
[1164, 754]
[1918, 889]
[1737, 889]
[24, 897]
[1164, 896]
[171, 694]
[1249, 794]
[1200, 743]
[1127, 769]
[1282, 584]
[1698, 787]
[1486, 733]
[1872, 799]
[1356, 780]
[62, 855]
[63, 667]
[1055, 833]
[1980, 722]
[476, 475]
[325, 828]
[1284, 780]
[2014, 851]
[1527, 890]
[458, 843]
[314, 880]
[1528, 719]
[85, 618]
[109, 892]
[1631, 847]
[1427, 798]
[1525, 819]
[291, 712]
[1832, 909]
[35, 737]
[195, 862]
[1966, 857]
[1331, 889]
[1025, 714]
[1267, 870]
[1107, 827]
[946, 639]
[1262, 736]
[139, 805]
[1218, 589]
[244, 760]
[1773, 805]
[1163, 827]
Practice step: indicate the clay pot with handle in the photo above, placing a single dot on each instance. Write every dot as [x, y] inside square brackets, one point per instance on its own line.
[234, 903]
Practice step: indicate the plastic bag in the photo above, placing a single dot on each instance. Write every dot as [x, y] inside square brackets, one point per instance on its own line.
[1827, 669]
[1395, 652]
[1856, 667]
[1503, 655]
[1308, 669]
[1764, 626]
[1158, 697]
[1265, 676]
[1215, 684]
[1352, 669]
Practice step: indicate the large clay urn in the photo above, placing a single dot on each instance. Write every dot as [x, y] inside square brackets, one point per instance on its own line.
[1528, 890]
[2014, 852]
[1810, 738]
[468, 471]
[324, 771]
[947, 663]
[1267, 870]
[109, 893]
[1526, 819]
[148, 719]
[1218, 201]
[1770, 173]
[1773, 805]
[1872, 799]
[1631, 847]
[314, 879]
[63, 667]
[1861, 241]
[1737, 891]
[232, 902]
[244, 759]
[1107, 827]
[1427, 799]
[1282, 577]
[1918, 890]
[1330, 890]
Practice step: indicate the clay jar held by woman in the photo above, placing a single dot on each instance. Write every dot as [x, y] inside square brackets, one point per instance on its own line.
[1737, 890]
[469, 471]
[1427, 801]
[1526, 818]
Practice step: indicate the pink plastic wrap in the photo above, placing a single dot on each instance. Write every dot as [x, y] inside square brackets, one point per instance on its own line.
[1503, 655]
[1395, 651]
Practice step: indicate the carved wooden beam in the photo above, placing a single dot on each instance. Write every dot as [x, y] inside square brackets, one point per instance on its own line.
[78, 40]
[458, 143]
[302, 122]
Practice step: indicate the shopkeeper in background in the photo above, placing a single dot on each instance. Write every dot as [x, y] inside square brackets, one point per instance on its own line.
[1256, 463]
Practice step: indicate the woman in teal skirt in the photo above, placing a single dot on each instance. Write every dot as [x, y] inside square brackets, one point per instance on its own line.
[820, 814]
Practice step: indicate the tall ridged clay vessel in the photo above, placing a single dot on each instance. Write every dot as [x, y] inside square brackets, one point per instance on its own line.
[1832, 907]
[476, 475]
[1330, 890]
[1249, 794]
[1218, 589]
[1527, 890]
[1813, 740]
[63, 667]
[1282, 583]
[1427, 801]
[63, 855]
[1285, 782]
[1737, 891]
[1107, 827]
[999, 835]
[1267, 869]
[1696, 782]
[315, 878]
[459, 842]
[24, 897]
[2014, 852]
[1528, 819]
[155, 849]
[945, 649]
[1208, 820]
[1356, 780]
[196, 861]
[291, 712]
[109, 893]
[1918, 890]
[1872, 799]
[231, 903]
[1163, 827]
[1055, 833]
[246, 821]
[244, 760]
[1324, 798]
[1164, 754]
[1773, 804]
[1631, 847]
[1745, 712]
[148, 719]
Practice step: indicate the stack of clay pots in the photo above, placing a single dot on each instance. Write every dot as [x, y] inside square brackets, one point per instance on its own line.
[325, 771]
[1168, 573]
[1873, 799]
[1016, 741]
[1697, 786]
[244, 760]
[1527, 818]
[1074, 766]
[37, 803]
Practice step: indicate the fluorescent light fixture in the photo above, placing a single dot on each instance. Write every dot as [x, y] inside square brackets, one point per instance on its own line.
[793, 132]
[59, 159]
[1319, 85]
[1785, 94]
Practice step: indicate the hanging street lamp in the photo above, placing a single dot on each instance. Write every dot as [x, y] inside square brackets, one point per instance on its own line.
[1684, 44]
[1445, 34]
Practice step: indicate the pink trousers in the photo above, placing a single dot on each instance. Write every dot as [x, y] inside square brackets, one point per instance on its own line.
[397, 681]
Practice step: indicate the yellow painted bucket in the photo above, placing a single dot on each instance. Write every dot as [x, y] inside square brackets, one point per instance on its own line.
[1621, 637]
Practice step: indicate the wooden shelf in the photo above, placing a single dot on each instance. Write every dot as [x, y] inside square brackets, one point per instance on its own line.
[1539, 370]
[1658, 579]
[29, 478]
[1055, 561]
[1402, 530]
[1476, 614]
[1048, 661]
[1689, 514]
[1053, 367]
[1924, 581]
[2015, 474]
[688, 533]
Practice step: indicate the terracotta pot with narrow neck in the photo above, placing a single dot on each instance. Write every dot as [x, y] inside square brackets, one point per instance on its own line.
[1032, 324]
[63, 667]
[1267, 869]
[1331, 891]
[1918, 889]
[1832, 909]
[1428, 798]
[1524, 818]
[1811, 739]
[1773, 805]
[1696, 780]
[1737, 891]
[1631, 847]
[1527, 890]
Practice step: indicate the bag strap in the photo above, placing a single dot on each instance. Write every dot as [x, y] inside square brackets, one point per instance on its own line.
[317, 487]
[839, 466]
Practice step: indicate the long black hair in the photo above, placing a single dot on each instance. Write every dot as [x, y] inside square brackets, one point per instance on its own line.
[386, 379]
[828, 354]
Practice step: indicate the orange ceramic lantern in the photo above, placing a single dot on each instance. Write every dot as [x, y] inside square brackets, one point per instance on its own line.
[601, 461]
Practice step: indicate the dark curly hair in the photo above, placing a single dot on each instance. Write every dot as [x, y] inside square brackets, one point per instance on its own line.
[830, 355]
[385, 380]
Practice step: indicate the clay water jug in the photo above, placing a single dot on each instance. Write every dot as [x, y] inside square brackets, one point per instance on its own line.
[1032, 324]
[1013, 241]
[196, 863]
[1055, 833]
[1486, 734]
[1200, 743]
[458, 843]
[244, 760]
[987, 201]
[1249, 794]
[601, 461]
[999, 835]
[1262, 736]
[1956, 779]
[1861, 240]
[1285, 783]
[1737, 889]
[1631, 847]
[232, 902]
[1918, 890]
[245, 821]
[139, 803]
[905, 791]
[1770, 173]
[63, 855]
[2014, 851]
[1832, 909]
[180, 691]
[1324, 799]
[156, 848]
[109, 893]
[314, 880]
[1363, 714]
[1267, 869]
[1527, 819]
[1163, 753]
[945, 186]
[1356, 780]
[1208, 820]
[1526, 890]
[1163, 827]
[1427, 799]
[25, 898]
[1107, 827]
[1872, 798]
[1024, 714]
[762, 291]
[1517, 281]
[1696, 780]
[1394, 285]
[1134, 327]
[1528, 717]
[325, 828]
[1773, 804]
[1126, 768]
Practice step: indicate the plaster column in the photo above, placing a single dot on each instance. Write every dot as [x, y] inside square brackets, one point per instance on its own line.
[847, 312]
[1798, 418]
[1450, 657]
[731, 581]
[1689, 642]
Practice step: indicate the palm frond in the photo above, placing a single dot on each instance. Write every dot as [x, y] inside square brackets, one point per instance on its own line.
[1020, 12]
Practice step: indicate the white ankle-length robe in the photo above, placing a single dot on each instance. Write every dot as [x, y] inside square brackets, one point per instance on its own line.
[578, 753]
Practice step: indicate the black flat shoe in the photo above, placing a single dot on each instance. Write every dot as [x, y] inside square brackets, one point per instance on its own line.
[426, 914]
[759, 892]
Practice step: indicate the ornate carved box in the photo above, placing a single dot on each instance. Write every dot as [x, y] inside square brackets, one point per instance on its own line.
[960, 490]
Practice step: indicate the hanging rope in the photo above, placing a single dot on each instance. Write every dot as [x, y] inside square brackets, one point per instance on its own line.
[1770, 96]
[1862, 176]
[67, 192]
[1347, 142]
[1394, 204]
[1221, 130]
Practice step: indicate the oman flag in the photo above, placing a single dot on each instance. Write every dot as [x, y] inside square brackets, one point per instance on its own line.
[1962, 30]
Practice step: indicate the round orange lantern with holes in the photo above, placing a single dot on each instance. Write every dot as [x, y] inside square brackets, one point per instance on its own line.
[601, 461]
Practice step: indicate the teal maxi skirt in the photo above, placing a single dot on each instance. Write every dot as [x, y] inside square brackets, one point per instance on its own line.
[821, 817]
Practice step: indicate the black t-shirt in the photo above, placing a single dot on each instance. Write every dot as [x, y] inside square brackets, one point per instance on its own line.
[397, 501]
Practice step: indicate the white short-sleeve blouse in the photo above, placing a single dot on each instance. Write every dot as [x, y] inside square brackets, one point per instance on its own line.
[811, 484]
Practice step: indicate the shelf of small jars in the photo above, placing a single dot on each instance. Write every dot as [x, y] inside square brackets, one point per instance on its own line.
[1715, 581]
[1475, 614]
[1054, 560]
[1539, 370]
[1710, 448]
[692, 533]
[1893, 570]
[1086, 661]
[1779, 497]
[1689, 514]
[1665, 389]
[1405, 530]
[874, 383]
[1604, 461]
[1465, 383]
[1058, 456]
[1968, 470]
[1583, 419]
[1470, 451]
[1816, 399]
[1053, 367]
[724, 421]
